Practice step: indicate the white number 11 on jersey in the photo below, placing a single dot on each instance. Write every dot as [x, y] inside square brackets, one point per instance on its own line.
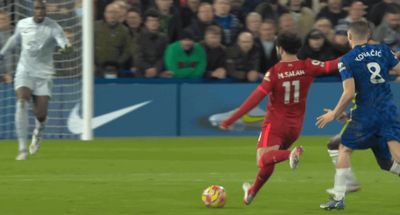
[288, 91]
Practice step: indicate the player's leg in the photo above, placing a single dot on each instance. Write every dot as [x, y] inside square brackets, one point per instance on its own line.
[343, 170]
[390, 131]
[384, 158]
[264, 173]
[23, 95]
[354, 136]
[352, 184]
[41, 99]
[40, 106]
[268, 154]
[394, 147]
[333, 148]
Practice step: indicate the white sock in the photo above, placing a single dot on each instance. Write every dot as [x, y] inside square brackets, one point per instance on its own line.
[340, 183]
[22, 123]
[395, 168]
[351, 178]
[39, 127]
[334, 155]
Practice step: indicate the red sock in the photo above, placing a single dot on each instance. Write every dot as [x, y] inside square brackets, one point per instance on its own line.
[273, 157]
[262, 176]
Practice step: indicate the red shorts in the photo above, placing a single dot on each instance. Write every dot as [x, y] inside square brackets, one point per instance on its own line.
[282, 136]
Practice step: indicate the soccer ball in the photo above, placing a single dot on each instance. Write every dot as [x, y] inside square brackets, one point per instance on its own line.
[214, 196]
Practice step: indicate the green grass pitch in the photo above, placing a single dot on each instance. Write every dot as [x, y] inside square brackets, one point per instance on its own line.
[167, 176]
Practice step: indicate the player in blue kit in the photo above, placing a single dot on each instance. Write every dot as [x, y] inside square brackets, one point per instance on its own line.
[365, 72]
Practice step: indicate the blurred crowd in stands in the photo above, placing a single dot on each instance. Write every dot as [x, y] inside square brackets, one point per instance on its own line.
[216, 39]
[219, 39]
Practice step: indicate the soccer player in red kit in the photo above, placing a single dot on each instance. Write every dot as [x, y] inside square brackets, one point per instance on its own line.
[287, 84]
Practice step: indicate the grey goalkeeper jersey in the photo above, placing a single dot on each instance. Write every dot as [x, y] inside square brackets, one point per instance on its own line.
[38, 42]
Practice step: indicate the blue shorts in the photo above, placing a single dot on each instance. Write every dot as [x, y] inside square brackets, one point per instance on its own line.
[380, 148]
[368, 129]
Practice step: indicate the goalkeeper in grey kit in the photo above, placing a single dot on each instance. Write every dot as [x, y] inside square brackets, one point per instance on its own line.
[38, 37]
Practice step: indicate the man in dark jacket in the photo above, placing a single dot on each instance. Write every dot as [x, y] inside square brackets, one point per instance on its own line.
[243, 59]
[333, 11]
[378, 10]
[266, 42]
[205, 18]
[317, 47]
[271, 9]
[170, 23]
[151, 46]
[216, 53]
[388, 31]
[111, 39]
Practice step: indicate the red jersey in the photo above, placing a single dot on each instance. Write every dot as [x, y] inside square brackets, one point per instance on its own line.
[287, 85]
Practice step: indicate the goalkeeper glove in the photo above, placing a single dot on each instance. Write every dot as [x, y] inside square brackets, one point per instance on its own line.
[66, 50]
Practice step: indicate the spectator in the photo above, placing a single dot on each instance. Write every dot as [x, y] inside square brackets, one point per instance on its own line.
[123, 9]
[340, 41]
[317, 47]
[170, 22]
[62, 12]
[188, 13]
[303, 16]
[216, 53]
[5, 32]
[151, 46]
[388, 31]
[243, 59]
[111, 38]
[229, 22]
[325, 26]
[238, 10]
[356, 13]
[287, 23]
[185, 58]
[253, 23]
[271, 9]
[333, 11]
[134, 23]
[205, 18]
[378, 10]
[266, 42]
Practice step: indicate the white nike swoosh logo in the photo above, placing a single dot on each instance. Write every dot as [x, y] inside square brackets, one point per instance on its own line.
[75, 122]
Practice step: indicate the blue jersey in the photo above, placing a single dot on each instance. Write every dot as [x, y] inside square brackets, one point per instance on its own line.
[369, 65]
[376, 113]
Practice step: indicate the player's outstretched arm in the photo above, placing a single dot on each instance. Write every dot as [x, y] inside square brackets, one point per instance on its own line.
[251, 102]
[324, 67]
[347, 95]
[11, 42]
[61, 39]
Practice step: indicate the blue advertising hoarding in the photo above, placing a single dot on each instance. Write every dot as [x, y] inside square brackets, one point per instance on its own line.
[155, 113]
[201, 102]
[177, 109]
